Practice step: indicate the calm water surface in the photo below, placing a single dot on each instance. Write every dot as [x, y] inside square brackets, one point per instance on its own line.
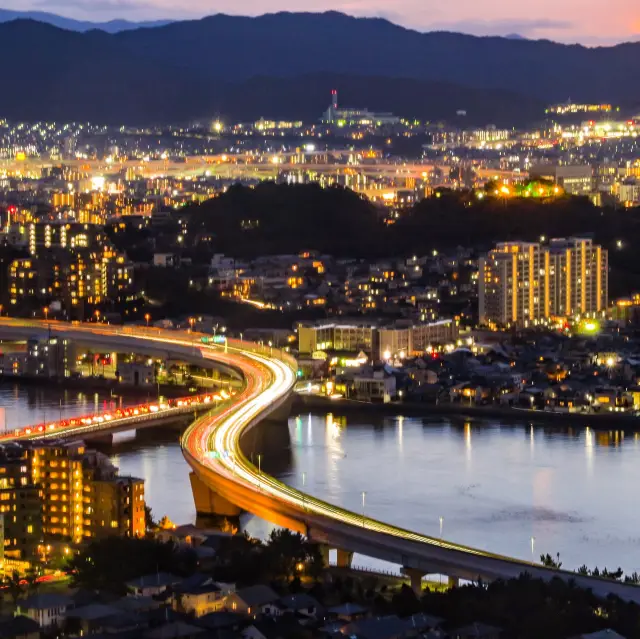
[24, 405]
[513, 489]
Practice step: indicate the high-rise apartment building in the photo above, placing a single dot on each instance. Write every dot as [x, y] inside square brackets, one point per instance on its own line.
[524, 284]
[510, 284]
[578, 278]
[64, 492]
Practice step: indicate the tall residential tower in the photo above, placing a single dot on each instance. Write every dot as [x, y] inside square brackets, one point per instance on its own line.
[525, 284]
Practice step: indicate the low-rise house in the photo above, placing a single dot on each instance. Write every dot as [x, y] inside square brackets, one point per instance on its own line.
[279, 628]
[420, 623]
[374, 385]
[199, 595]
[90, 618]
[347, 612]
[303, 605]
[254, 601]
[174, 630]
[220, 622]
[391, 627]
[47, 609]
[151, 585]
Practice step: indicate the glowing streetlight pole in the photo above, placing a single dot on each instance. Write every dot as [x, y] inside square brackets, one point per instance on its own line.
[441, 526]
[364, 495]
[304, 481]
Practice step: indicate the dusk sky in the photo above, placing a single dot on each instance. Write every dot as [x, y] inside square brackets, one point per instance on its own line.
[562, 20]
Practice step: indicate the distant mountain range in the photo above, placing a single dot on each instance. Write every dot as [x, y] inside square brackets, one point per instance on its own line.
[284, 64]
[113, 26]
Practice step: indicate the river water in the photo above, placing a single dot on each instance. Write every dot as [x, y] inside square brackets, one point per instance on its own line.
[515, 489]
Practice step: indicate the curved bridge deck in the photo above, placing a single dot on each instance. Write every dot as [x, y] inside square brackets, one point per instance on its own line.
[211, 447]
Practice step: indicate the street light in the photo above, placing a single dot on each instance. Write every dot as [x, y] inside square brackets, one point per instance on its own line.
[441, 526]
[364, 495]
[147, 317]
[304, 481]
[192, 321]
[45, 311]
[533, 547]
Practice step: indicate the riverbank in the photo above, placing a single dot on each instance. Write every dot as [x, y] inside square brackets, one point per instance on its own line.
[603, 421]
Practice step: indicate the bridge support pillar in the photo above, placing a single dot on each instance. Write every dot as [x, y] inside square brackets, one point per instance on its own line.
[324, 552]
[415, 575]
[344, 558]
[453, 582]
[208, 502]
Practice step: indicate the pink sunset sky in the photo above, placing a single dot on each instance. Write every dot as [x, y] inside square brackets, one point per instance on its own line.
[583, 21]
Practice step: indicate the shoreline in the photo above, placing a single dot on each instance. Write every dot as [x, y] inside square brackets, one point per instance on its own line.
[606, 421]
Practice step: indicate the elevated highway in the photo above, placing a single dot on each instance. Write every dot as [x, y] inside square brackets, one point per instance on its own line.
[226, 482]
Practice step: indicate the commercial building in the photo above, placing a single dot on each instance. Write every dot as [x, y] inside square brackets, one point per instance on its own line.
[524, 283]
[342, 117]
[379, 343]
[335, 336]
[575, 179]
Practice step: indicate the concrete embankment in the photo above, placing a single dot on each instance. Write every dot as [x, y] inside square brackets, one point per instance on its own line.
[598, 421]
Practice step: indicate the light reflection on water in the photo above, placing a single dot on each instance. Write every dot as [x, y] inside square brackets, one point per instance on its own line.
[24, 405]
[495, 486]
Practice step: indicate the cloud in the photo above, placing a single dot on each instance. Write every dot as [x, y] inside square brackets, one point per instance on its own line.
[525, 28]
[94, 5]
[96, 9]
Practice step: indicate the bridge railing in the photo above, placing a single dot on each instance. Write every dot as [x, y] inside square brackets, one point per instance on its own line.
[187, 337]
[117, 417]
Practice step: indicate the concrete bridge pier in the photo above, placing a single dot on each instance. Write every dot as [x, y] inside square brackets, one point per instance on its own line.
[324, 552]
[208, 502]
[415, 575]
[344, 559]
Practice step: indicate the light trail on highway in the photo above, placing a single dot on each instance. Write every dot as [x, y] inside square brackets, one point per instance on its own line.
[211, 446]
[268, 380]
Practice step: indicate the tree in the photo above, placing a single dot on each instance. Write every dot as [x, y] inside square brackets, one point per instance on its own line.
[109, 563]
[548, 561]
[285, 550]
[31, 581]
[15, 586]
[315, 561]
[149, 522]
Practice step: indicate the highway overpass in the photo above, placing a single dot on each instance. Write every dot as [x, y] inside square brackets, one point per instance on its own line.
[226, 482]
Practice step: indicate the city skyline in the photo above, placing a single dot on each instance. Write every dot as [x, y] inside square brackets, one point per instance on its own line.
[567, 23]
